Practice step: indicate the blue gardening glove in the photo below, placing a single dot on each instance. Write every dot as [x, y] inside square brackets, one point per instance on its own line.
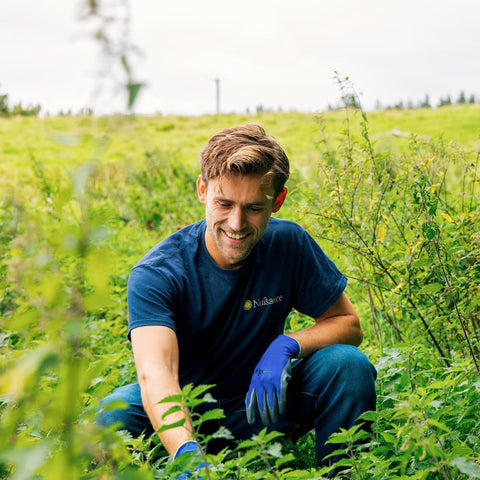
[268, 387]
[193, 448]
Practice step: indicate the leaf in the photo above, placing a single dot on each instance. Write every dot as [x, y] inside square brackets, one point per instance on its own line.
[466, 466]
[125, 64]
[14, 382]
[175, 398]
[381, 234]
[197, 391]
[439, 425]
[115, 405]
[133, 91]
[223, 432]
[430, 233]
[26, 460]
[369, 416]
[131, 474]
[431, 288]
[447, 217]
[214, 414]
[398, 287]
[289, 457]
[180, 423]
[275, 450]
[423, 262]
[173, 409]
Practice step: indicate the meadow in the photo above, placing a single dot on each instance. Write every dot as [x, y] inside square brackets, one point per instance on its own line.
[392, 197]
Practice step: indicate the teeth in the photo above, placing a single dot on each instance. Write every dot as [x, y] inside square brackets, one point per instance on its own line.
[235, 236]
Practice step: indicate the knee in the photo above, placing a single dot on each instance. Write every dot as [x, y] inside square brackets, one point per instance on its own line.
[116, 407]
[348, 366]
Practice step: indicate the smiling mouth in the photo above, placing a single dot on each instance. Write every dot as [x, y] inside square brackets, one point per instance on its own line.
[235, 236]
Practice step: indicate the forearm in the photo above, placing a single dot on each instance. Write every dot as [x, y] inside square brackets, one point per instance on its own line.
[155, 388]
[155, 350]
[343, 329]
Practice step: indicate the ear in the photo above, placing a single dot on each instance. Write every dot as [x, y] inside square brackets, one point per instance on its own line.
[279, 200]
[201, 190]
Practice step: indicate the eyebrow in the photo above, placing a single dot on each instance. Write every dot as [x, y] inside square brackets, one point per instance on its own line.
[252, 204]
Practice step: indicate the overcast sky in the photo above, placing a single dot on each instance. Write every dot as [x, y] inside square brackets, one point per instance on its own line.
[275, 53]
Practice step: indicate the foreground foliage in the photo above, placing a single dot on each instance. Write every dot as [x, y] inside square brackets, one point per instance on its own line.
[404, 226]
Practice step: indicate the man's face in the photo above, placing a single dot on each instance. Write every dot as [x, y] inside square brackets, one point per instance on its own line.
[237, 211]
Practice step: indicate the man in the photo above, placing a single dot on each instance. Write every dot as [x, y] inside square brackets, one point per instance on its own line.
[208, 306]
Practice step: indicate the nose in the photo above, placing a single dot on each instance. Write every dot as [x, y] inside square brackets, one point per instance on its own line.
[236, 219]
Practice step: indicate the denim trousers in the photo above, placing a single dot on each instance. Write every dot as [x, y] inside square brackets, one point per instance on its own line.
[328, 390]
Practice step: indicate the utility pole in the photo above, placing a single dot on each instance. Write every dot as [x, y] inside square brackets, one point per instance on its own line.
[217, 88]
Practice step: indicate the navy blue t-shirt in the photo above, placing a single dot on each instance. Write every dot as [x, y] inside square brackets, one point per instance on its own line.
[225, 319]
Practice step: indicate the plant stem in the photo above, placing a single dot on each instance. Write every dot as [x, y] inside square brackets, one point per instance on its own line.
[457, 310]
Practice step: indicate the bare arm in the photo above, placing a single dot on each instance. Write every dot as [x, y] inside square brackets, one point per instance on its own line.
[339, 324]
[155, 349]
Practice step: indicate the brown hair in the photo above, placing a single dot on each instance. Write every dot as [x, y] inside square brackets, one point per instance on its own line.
[245, 149]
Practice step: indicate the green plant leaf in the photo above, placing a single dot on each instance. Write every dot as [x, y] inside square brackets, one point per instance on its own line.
[431, 288]
[133, 91]
[26, 460]
[466, 466]
[430, 233]
[214, 414]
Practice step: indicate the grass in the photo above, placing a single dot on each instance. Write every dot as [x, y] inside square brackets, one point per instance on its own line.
[83, 198]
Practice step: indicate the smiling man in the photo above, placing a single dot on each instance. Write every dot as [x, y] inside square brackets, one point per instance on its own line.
[208, 305]
[237, 213]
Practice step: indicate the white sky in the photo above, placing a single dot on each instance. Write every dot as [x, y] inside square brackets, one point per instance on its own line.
[276, 53]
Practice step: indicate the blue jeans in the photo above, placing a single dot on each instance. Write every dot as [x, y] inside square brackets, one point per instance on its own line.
[328, 391]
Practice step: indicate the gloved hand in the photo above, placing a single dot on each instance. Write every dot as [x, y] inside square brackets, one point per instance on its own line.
[268, 387]
[193, 448]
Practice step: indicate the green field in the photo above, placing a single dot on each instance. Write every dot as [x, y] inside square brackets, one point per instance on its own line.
[392, 196]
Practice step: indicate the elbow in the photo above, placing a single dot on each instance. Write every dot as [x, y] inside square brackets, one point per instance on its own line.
[356, 331]
[156, 375]
[359, 336]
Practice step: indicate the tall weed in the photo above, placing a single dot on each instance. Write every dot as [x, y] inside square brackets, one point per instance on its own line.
[407, 228]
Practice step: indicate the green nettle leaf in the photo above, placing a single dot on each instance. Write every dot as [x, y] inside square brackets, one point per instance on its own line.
[223, 432]
[423, 262]
[180, 423]
[115, 405]
[275, 450]
[214, 414]
[467, 466]
[175, 398]
[197, 391]
[172, 409]
[431, 288]
[430, 233]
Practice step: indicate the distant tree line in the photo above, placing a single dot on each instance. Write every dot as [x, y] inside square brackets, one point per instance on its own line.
[18, 109]
[352, 100]
[348, 99]
[426, 102]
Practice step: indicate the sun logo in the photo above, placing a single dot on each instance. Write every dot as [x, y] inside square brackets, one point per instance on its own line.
[247, 305]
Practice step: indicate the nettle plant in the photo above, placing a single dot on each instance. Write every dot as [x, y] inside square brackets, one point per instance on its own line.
[67, 244]
[426, 426]
[407, 226]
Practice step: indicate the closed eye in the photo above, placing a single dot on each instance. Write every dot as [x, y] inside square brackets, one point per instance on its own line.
[255, 208]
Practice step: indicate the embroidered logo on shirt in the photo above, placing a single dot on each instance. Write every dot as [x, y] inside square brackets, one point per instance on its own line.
[262, 302]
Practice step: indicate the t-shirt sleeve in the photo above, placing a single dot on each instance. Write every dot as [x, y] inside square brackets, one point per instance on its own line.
[150, 297]
[320, 282]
